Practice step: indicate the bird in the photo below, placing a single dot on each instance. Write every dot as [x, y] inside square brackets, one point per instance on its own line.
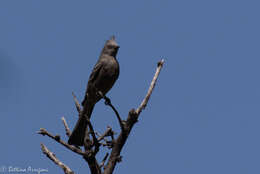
[101, 80]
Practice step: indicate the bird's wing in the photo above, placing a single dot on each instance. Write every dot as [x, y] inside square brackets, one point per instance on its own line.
[91, 81]
[94, 74]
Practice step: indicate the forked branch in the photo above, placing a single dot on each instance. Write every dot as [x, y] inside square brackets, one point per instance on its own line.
[132, 118]
[116, 143]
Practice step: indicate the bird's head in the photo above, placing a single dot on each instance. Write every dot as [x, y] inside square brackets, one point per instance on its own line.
[111, 47]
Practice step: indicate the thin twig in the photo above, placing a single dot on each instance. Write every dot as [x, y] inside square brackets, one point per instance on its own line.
[108, 102]
[107, 143]
[67, 129]
[52, 157]
[108, 132]
[76, 102]
[57, 138]
[150, 90]
[95, 140]
[104, 160]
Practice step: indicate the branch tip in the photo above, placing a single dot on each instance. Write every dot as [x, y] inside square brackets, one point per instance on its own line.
[53, 158]
[78, 107]
[151, 88]
[67, 130]
[160, 63]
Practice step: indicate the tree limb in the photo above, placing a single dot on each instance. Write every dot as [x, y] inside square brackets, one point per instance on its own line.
[67, 129]
[88, 155]
[108, 102]
[95, 140]
[52, 157]
[104, 160]
[150, 90]
[57, 139]
[93, 165]
[108, 132]
[76, 102]
[131, 120]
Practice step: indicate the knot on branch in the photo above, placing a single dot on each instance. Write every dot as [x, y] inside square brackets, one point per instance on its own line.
[133, 116]
[88, 154]
[57, 137]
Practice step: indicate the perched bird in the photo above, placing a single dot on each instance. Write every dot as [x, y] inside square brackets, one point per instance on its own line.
[102, 78]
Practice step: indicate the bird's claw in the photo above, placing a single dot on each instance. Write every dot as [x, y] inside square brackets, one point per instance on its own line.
[101, 94]
[107, 101]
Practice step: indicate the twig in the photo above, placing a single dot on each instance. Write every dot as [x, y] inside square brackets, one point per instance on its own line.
[76, 102]
[68, 132]
[108, 144]
[52, 157]
[108, 132]
[95, 141]
[87, 155]
[108, 102]
[104, 160]
[57, 138]
[150, 90]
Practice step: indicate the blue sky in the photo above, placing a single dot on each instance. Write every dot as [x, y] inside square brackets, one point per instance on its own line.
[203, 116]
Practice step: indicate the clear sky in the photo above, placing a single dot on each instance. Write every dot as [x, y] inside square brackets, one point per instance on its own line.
[203, 117]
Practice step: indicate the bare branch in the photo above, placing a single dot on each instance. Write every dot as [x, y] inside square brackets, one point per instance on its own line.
[107, 143]
[52, 157]
[57, 138]
[76, 102]
[88, 155]
[95, 141]
[150, 90]
[133, 115]
[108, 132]
[93, 165]
[108, 102]
[104, 160]
[67, 129]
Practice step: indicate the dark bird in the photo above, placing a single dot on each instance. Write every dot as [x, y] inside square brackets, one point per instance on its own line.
[102, 78]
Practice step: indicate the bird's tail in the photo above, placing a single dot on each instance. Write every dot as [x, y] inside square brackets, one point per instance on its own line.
[78, 134]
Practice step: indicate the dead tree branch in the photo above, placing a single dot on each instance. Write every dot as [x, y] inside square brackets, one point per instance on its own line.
[150, 90]
[57, 139]
[52, 157]
[108, 102]
[93, 165]
[104, 160]
[108, 132]
[76, 102]
[67, 129]
[131, 120]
